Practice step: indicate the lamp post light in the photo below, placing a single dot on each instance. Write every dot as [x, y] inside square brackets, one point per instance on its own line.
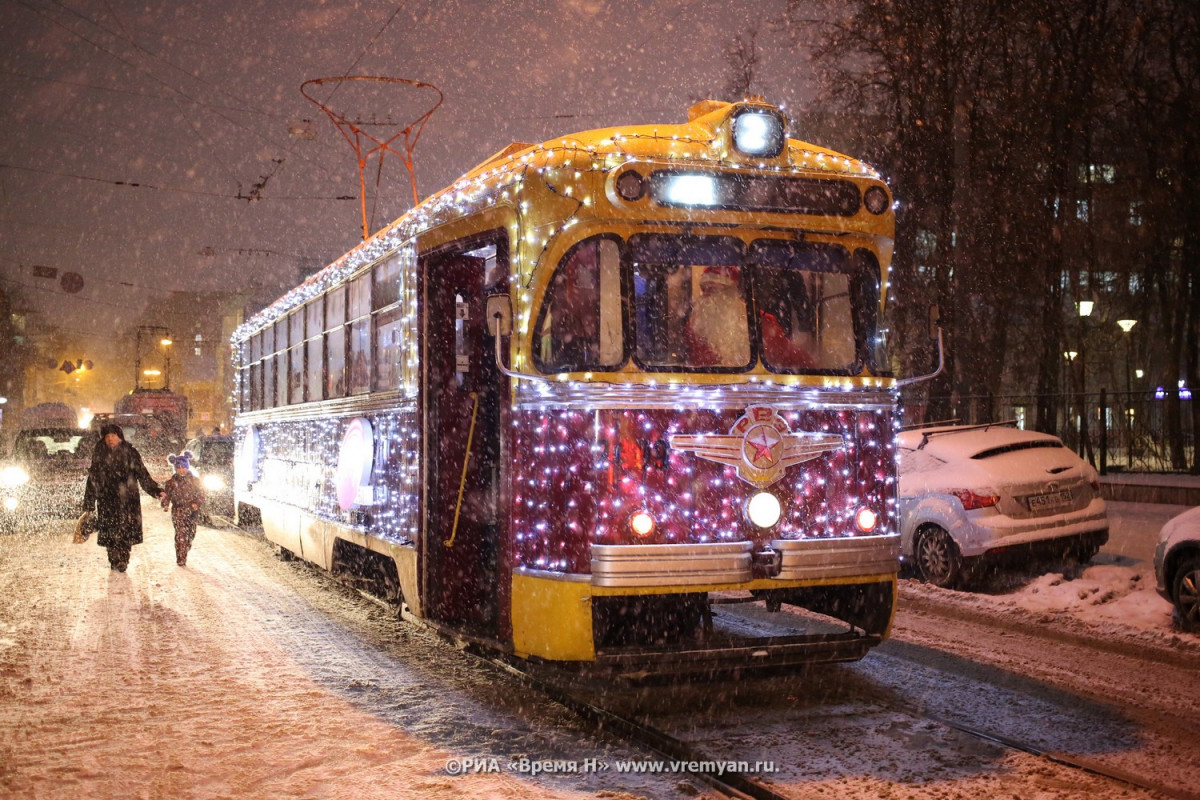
[166, 346]
[1071, 427]
[1126, 327]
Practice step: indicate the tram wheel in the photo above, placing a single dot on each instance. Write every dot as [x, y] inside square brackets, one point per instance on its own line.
[938, 558]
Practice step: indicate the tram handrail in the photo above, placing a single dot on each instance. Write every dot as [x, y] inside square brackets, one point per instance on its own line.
[932, 375]
[500, 361]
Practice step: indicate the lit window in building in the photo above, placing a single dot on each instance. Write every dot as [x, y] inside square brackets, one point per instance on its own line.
[1135, 213]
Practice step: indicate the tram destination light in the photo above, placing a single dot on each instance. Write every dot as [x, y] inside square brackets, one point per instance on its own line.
[745, 192]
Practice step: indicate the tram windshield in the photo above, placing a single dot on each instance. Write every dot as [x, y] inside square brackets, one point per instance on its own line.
[713, 303]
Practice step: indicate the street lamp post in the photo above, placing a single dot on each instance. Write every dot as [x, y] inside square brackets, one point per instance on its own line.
[1126, 328]
[1085, 311]
[164, 341]
[1071, 428]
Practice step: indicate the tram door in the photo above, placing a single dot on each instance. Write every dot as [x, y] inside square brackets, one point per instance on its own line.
[462, 543]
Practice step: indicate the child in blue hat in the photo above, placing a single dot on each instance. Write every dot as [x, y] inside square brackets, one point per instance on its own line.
[184, 496]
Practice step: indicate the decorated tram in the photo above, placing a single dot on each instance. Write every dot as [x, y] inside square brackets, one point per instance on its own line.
[619, 401]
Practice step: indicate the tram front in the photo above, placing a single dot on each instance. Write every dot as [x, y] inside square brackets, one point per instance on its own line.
[703, 472]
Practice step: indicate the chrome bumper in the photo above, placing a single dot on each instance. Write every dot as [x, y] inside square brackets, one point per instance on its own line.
[837, 558]
[733, 562]
[670, 564]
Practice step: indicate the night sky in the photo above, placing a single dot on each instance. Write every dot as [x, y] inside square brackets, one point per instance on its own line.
[133, 134]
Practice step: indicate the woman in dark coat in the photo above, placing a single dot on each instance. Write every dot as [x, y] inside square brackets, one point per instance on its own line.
[112, 490]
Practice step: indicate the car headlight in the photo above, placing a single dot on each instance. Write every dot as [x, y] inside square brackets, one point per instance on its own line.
[213, 482]
[11, 503]
[13, 476]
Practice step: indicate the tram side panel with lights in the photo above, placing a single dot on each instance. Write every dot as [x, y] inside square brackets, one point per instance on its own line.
[618, 401]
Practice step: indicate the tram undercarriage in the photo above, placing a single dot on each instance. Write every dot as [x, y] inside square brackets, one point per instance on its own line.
[720, 632]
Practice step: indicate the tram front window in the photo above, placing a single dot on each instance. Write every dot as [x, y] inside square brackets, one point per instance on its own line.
[690, 302]
[804, 294]
[704, 303]
[580, 324]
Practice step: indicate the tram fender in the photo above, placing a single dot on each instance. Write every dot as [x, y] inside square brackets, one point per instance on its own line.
[552, 618]
[316, 540]
[281, 525]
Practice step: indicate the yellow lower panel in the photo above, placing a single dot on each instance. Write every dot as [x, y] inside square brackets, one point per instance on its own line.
[552, 619]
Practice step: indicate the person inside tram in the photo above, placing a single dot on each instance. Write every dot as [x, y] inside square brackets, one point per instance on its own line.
[718, 333]
[574, 314]
[787, 319]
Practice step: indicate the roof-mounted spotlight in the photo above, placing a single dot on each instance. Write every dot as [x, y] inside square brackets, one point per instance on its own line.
[758, 133]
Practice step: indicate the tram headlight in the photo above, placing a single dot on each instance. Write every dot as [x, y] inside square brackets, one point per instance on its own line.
[757, 133]
[641, 523]
[764, 510]
[866, 520]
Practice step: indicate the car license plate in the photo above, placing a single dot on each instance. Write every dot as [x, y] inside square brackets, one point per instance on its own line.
[1051, 501]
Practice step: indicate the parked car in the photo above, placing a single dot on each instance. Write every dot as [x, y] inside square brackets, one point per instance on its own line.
[44, 475]
[212, 463]
[1177, 567]
[973, 496]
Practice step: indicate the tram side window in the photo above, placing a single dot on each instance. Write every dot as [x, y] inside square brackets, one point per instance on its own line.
[385, 289]
[388, 332]
[360, 334]
[268, 367]
[296, 357]
[252, 382]
[580, 322]
[873, 333]
[335, 342]
[281, 365]
[315, 324]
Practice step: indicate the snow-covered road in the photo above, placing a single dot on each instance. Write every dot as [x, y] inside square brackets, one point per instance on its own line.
[243, 676]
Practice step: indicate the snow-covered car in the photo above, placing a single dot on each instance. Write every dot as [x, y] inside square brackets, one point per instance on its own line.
[44, 475]
[973, 496]
[1177, 567]
[212, 463]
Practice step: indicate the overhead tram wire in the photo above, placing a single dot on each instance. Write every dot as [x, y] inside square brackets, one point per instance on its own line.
[171, 88]
[155, 187]
[60, 293]
[353, 64]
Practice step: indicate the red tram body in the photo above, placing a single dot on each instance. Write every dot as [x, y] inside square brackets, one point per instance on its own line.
[618, 401]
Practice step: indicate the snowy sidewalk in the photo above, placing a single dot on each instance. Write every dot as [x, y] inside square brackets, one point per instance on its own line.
[1151, 487]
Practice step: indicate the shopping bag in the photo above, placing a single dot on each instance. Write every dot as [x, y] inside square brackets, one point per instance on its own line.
[83, 528]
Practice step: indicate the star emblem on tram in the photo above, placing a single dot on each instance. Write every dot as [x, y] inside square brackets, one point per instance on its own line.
[761, 445]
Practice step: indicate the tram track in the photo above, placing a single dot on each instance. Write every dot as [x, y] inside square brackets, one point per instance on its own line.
[866, 704]
[745, 785]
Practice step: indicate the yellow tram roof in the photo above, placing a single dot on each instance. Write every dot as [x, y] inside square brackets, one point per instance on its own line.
[704, 140]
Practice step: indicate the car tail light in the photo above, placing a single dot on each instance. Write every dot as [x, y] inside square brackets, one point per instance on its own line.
[970, 500]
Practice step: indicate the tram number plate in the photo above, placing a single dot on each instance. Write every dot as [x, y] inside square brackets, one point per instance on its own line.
[1050, 501]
